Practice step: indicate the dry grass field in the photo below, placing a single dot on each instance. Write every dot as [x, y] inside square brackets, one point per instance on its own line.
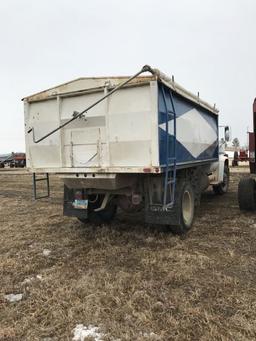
[131, 281]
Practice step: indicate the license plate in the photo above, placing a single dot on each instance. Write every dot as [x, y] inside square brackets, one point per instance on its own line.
[80, 204]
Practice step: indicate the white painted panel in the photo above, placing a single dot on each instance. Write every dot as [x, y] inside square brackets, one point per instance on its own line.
[86, 136]
[67, 156]
[85, 156]
[130, 126]
[132, 100]
[122, 131]
[45, 156]
[45, 111]
[85, 147]
[130, 154]
[79, 103]
[44, 117]
[81, 154]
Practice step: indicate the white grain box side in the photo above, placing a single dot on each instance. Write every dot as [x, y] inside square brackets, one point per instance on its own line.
[118, 135]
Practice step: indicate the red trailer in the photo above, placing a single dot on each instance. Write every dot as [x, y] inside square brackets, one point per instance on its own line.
[247, 185]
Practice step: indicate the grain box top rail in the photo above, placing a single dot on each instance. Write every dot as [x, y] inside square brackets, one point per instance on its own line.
[90, 84]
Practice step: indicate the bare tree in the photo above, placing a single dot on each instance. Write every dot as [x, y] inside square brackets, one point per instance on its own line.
[235, 142]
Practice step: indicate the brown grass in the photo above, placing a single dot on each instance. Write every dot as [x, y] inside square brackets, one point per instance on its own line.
[128, 279]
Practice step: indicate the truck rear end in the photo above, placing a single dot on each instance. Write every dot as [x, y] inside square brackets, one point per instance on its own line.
[149, 145]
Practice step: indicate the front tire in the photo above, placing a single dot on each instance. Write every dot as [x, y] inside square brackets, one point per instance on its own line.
[247, 194]
[222, 188]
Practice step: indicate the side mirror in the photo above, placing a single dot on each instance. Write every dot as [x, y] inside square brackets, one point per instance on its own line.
[227, 133]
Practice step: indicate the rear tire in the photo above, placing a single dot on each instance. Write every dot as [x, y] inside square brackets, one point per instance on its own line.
[247, 194]
[185, 206]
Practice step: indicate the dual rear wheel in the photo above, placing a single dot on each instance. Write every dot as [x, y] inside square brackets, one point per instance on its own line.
[184, 207]
[185, 202]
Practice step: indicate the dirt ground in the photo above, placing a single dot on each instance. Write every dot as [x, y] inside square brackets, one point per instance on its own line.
[132, 281]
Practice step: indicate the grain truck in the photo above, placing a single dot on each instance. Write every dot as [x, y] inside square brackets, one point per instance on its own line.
[140, 143]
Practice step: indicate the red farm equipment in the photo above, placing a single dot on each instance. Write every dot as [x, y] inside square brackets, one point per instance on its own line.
[13, 160]
[247, 185]
[18, 160]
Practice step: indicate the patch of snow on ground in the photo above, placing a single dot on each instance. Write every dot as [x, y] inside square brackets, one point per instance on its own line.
[14, 297]
[81, 332]
[151, 336]
[27, 280]
[31, 279]
[46, 252]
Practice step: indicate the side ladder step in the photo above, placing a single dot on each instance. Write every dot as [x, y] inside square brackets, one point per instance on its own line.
[162, 199]
[35, 180]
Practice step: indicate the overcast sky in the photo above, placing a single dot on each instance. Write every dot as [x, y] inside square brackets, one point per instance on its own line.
[209, 46]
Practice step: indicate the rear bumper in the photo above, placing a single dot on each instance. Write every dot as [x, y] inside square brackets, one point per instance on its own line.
[97, 170]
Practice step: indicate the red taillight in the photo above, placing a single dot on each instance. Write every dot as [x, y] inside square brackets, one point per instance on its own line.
[151, 170]
[146, 170]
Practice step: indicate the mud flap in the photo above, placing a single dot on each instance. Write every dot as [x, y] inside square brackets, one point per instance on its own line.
[171, 217]
[154, 212]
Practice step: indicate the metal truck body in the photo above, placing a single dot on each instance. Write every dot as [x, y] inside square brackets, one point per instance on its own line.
[130, 149]
[247, 185]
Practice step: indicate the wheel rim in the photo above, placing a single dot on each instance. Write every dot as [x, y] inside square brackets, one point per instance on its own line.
[187, 207]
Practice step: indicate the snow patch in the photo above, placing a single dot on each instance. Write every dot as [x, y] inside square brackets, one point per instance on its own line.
[46, 252]
[81, 332]
[31, 279]
[27, 280]
[13, 297]
[150, 335]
